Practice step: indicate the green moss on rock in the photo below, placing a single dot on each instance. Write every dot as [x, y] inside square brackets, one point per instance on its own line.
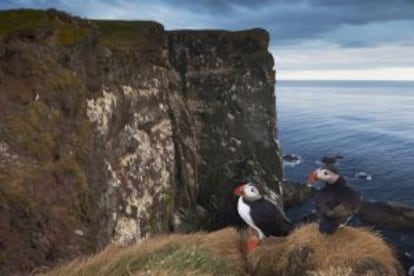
[12, 192]
[40, 25]
[130, 35]
[33, 130]
[17, 20]
[69, 165]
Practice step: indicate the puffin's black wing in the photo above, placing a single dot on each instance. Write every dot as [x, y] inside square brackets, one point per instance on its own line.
[268, 218]
[341, 202]
[329, 225]
[335, 207]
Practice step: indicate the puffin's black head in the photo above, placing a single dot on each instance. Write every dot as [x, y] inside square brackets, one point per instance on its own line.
[328, 174]
[332, 168]
[248, 191]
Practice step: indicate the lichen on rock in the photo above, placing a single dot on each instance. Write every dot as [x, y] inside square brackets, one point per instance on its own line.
[101, 109]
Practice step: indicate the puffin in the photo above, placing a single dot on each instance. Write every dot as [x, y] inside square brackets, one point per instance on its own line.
[336, 203]
[262, 215]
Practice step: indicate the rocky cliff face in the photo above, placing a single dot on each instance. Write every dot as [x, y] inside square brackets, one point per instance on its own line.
[113, 131]
[225, 132]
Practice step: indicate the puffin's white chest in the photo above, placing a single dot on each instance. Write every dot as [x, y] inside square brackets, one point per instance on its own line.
[244, 212]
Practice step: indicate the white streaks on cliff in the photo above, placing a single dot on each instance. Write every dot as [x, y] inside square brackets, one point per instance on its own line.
[100, 110]
[142, 92]
[113, 179]
[142, 172]
[126, 230]
[5, 154]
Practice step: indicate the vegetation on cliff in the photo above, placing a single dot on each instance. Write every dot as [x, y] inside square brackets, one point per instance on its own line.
[350, 251]
[44, 191]
[305, 252]
[217, 253]
[36, 24]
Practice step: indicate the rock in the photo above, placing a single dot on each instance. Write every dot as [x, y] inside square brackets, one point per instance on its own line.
[217, 151]
[387, 215]
[291, 160]
[363, 176]
[296, 193]
[331, 160]
[291, 157]
[79, 232]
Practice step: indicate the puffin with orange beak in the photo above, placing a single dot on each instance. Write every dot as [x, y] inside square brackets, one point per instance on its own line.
[336, 203]
[263, 216]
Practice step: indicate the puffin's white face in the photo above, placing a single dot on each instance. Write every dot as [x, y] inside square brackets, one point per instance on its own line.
[324, 175]
[248, 191]
[251, 192]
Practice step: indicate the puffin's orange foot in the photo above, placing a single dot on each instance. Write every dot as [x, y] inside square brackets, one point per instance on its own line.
[252, 243]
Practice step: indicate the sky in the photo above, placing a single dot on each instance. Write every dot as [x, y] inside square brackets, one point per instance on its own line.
[310, 39]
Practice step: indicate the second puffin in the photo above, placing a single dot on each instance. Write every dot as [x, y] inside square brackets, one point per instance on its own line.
[261, 214]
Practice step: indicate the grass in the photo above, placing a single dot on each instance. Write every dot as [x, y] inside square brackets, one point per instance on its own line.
[50, 136]
[13, 20]
[32, 23]
[68, 164]
[33, 132]
[218, 253]
[12, 192]
[136, 35]
[349, 252]
[306, 249]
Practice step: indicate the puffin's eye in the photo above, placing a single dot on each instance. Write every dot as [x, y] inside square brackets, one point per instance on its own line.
[252, 190]
[325, 173]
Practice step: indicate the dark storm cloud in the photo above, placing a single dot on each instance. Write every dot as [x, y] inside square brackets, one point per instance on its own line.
[288, 21]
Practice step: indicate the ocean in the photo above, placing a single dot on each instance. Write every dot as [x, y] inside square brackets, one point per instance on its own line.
[368, 123]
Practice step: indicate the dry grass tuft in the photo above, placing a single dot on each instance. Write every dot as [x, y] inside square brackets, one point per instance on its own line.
[333, 271]
[217, 253]
[228, 244]
[349, 251]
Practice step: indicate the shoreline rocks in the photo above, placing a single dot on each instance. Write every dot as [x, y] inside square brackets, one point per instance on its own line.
[331, 160]
[363, 176]
[389, 215]
[291, 159]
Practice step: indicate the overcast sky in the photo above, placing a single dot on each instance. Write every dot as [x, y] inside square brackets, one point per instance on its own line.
[310, 39]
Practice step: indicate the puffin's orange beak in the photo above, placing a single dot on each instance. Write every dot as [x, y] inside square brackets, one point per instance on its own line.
[313, 177]
[239, 190]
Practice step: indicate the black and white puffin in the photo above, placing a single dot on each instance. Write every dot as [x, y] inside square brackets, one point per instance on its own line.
[336, 203]
[263, 216]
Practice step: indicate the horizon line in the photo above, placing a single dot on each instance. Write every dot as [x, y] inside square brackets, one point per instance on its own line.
[395, 80]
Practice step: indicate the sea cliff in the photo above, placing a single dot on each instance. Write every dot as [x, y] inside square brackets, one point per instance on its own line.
[112, 131]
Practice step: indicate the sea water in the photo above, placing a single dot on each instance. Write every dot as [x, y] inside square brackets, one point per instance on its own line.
[368, 123]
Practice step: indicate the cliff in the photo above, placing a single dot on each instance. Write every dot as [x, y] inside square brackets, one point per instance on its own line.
[111, 131]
